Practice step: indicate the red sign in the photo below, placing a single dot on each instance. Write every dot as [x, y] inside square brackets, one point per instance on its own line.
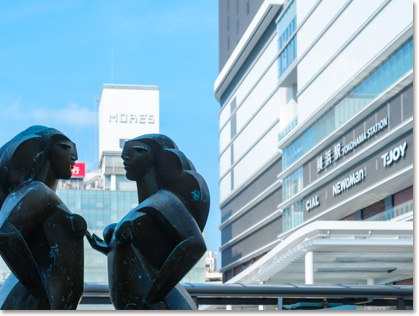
[79, 170]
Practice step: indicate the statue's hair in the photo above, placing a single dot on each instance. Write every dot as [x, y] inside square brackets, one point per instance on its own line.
[178, 175]
[25, 156]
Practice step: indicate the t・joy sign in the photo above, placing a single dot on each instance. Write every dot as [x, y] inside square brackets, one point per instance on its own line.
[394, 154]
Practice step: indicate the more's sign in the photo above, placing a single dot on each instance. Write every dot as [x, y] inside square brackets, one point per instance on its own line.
[79, 170]
[126, 112]
[132, 118]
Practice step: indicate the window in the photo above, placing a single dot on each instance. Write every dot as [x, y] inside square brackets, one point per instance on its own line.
[286, 28]
[292, 216]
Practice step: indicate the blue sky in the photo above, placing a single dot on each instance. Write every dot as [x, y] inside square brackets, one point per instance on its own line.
[56, 55]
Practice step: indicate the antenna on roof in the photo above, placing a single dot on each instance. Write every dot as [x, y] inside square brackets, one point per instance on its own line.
[112, 65]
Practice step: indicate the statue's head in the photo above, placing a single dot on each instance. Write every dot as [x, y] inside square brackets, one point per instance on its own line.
[34, 153]
[174, 171]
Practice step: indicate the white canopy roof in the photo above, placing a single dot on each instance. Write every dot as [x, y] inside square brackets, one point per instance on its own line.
[346, 252]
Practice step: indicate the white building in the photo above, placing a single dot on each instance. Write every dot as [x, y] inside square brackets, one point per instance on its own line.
[316, 135]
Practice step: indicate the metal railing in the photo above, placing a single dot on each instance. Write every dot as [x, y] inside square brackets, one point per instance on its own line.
[393, 212]
[396, 296]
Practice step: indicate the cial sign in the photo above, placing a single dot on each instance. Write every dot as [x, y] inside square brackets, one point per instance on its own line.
[394, 155]
[79, 170]
[312, 203]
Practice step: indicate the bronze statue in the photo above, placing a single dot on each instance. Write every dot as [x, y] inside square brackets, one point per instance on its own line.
[155, 245]
[41, 241]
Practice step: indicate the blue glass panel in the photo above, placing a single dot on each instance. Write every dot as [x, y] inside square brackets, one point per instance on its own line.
[386, 76]
[380, 80]
[406, 59]
[410, 54]
[114, 202]
[398, 64]
[392, 69]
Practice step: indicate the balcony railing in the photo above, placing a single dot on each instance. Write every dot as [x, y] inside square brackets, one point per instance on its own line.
[393, 212]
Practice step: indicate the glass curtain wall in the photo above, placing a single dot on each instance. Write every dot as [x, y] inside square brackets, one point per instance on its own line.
[292, 216]
[287, 40]
[377, 82]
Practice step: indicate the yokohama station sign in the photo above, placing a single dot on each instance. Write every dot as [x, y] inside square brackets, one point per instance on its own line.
[339, 150]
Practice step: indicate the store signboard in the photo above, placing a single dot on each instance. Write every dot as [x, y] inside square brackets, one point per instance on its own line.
[79, 170]
[339, 150]
[312, 202]
[126, 112]
[348, 182]
[394, 154]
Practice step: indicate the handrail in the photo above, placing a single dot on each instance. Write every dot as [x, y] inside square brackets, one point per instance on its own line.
[264, 294]
[400, 296]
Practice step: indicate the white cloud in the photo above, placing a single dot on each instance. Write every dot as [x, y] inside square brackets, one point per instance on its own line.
[71, 115]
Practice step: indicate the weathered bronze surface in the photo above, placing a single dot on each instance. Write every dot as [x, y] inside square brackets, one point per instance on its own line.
[155, 245]
[41, 241]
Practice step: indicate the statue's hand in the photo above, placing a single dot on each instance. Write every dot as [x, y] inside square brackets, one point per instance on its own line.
[97, 243]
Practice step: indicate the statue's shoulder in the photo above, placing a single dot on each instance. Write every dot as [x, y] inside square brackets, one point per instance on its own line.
[28, 203]
[28, 191]
[167, 207]
[165, 202]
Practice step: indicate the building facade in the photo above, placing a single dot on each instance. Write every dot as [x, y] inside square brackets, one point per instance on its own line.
[234, 17]
[316, 143]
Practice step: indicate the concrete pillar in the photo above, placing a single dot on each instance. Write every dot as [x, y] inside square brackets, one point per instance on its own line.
[309, 269]
[113, 182]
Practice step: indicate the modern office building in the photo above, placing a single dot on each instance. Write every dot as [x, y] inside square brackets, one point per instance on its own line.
[234, 17]
[316, 144]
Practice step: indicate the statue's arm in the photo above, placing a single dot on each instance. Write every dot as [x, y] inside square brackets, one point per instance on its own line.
[179, 224]
[183, 257]
[19, 258]
[18, 217]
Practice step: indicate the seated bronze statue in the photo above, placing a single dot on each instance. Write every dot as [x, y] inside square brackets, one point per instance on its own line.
[41, 241]
[155, 245]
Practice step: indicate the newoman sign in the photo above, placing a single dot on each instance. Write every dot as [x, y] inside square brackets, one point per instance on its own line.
[348, 182]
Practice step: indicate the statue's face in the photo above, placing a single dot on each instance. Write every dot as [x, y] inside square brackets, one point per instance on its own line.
[63, 158]
[138, 159]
